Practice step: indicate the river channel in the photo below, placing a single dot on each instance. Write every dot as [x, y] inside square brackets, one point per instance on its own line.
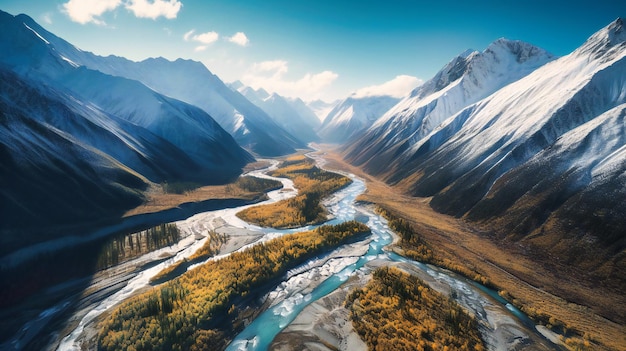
[502, 326]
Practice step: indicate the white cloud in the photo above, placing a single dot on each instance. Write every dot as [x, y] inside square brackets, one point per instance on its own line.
[85, 11]
[187, 36]
[400, 86]
[206, 38]
[202, 38]
[271, 76]
[154, 8]
[239, 38]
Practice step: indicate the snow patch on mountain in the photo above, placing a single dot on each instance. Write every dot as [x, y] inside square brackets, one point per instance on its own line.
[37, 34]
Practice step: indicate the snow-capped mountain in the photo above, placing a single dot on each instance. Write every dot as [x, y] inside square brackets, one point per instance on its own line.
[191, 82]
[541, 159]
[92, 132]
[321, 108]
[352, 116]
[28, 52]
[466, 79]
[301, 123]
[308, 115]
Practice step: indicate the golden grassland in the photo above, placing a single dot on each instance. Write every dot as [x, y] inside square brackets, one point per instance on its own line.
[203, 308]
[313, 185]
[543, 289]
[158, 199]
[413, 246]
[397, 311]
[211, 247]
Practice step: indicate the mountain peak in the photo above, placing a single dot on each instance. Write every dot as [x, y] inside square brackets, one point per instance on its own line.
[616, 32]
[192, 64]
[522, 51]
[236, 85]
[23, 18]
[262, 93]
[606, 38]
[467, 53]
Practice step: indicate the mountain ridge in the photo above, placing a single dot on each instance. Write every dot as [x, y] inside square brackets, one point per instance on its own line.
[539, 162]
[192, 82]
[106, 134]
[296, 118]
[467, 78]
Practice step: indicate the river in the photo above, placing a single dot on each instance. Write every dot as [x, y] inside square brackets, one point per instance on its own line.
[502, 325]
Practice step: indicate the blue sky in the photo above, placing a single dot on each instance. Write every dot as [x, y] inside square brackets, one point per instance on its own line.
[316, 49]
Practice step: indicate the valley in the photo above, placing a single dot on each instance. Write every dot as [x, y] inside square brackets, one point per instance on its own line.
[537, 285]
[152, 203]
[64, 286]
[315, 278]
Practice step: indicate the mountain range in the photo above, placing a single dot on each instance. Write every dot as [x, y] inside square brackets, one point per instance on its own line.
[80, 145]
[293, 115]
[188, 81]
[528, 146]
[466, 79]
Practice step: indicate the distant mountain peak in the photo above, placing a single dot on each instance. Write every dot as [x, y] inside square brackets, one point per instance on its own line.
[236, 85]
[351, 117]
[191, 63]
[498, 54]
[263, 94]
